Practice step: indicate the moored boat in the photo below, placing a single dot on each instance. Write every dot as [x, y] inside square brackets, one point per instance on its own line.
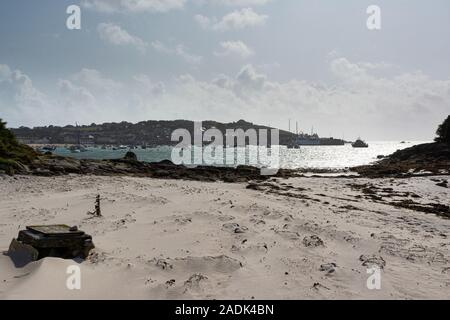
[359, 144]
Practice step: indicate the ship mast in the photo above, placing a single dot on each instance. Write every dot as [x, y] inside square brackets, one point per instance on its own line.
[78, 133]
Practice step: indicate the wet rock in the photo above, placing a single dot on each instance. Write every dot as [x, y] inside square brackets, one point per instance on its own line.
[253, 186]
[51, 165]
[433, 158]
[130, 156]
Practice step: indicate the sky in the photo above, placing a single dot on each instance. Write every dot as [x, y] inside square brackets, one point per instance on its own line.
[265, 61]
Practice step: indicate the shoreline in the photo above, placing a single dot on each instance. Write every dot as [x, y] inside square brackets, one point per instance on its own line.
[420, 160]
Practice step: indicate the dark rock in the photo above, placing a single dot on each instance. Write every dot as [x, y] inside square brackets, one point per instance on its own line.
[253, 186]
[130, 156]
[21, 254]
[430, 157]
[165, 162]
[51, 165]
[170, 283]
[37, 242]
[328, 267]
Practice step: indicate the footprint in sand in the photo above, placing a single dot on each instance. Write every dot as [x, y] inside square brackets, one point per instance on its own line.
[288, 235]
[205, 264]
[313, 241]
[194, 281]
[234, 228]
[370, 260]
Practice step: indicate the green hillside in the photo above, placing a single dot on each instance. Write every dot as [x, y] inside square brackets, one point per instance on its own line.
[12, 153]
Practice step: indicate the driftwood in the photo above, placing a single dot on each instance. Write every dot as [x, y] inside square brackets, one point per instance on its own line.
[97, 210]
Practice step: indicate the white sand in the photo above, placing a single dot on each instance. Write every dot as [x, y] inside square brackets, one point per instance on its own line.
[157, 230]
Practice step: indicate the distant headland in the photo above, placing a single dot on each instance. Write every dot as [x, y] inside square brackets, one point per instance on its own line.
[145, 133]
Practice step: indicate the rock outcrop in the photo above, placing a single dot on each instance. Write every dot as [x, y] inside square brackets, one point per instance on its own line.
[51, 165]
[429, 158]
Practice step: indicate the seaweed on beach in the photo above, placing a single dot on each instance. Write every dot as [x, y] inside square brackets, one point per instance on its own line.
[438, 209]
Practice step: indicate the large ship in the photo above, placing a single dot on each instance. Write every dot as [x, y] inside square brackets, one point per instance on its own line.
[303, 139]
[359, 144]
[331, 142]
[307, 140]
[312, 139]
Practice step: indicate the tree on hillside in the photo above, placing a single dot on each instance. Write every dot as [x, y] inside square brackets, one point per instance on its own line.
[11, 149]
[443, 131]
[7, 139]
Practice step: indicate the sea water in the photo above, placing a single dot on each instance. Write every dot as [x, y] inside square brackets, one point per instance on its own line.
[308, 157]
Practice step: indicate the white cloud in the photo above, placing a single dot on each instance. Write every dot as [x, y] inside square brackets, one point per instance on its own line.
[89, 96]
[161, 47]
[236, 3]
[5, 72]
[113, 6]
[75, 93]
[115, 35]
[236, 20]
[73, 98]
[235, 48]
[20, 101]
[202, 21]
[241, 2]
[179, 50]
[241, 19]
[149, 87]
[248, 77]
[94, 80]
[406, 106]
[269, 67]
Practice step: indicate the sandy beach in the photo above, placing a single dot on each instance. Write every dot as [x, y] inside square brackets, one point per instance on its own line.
[296, 238]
